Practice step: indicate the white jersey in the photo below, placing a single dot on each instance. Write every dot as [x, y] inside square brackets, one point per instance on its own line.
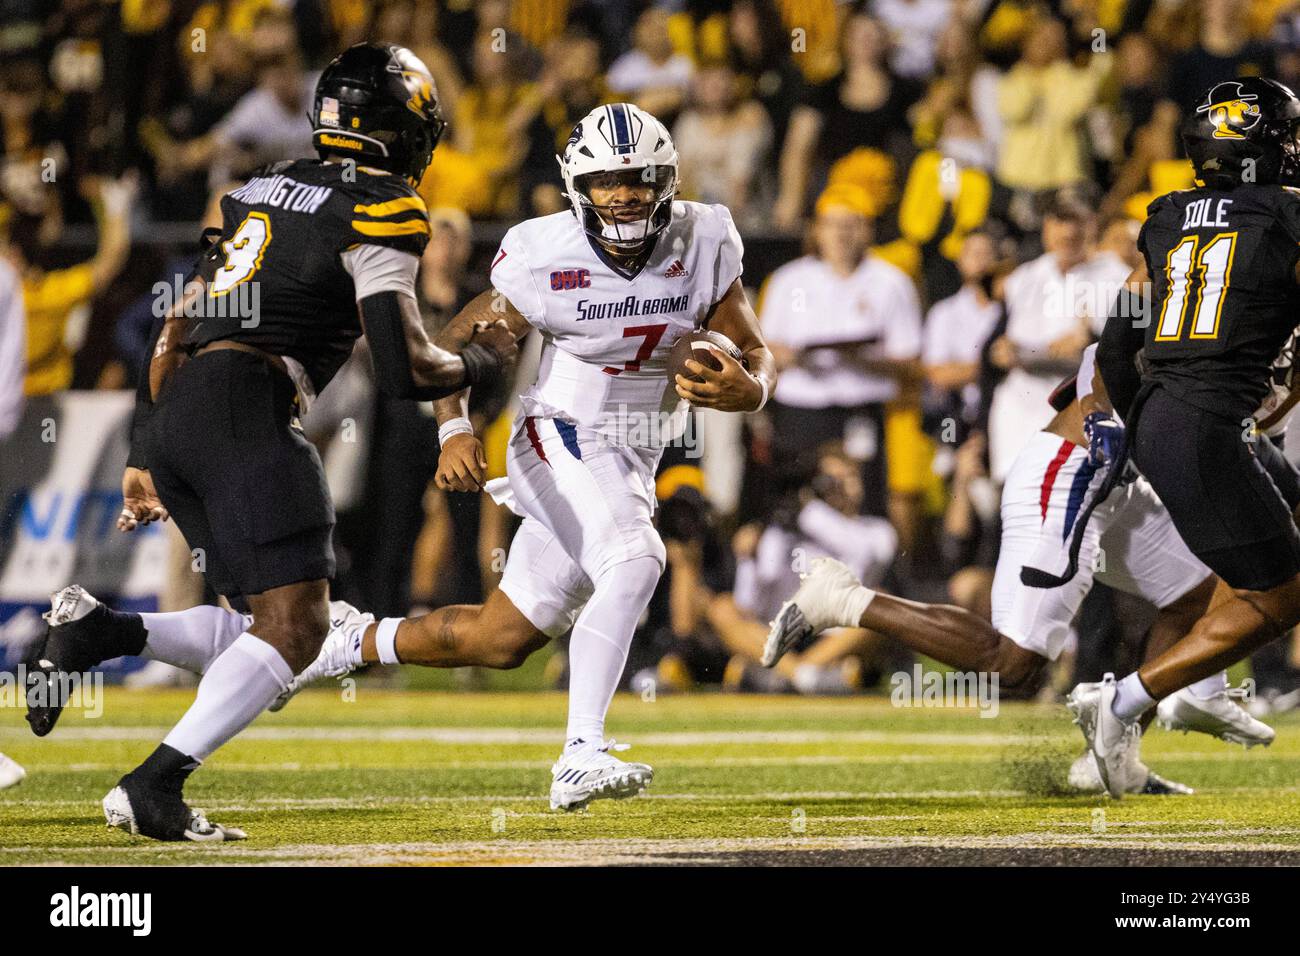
[606, 337]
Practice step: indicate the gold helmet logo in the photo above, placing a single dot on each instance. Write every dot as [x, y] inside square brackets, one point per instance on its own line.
[1232, 111]
[421, 89]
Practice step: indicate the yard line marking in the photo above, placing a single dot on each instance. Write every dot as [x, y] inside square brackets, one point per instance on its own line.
[523, 735]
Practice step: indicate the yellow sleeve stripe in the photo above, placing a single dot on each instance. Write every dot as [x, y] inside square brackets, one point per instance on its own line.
[392, 207]
[391, 228]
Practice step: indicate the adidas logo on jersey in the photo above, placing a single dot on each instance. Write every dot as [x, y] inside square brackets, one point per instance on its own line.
[677, 270]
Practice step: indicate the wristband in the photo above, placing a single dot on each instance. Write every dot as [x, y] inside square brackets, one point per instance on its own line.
[456, 426]
[481, 364]
[762, 383]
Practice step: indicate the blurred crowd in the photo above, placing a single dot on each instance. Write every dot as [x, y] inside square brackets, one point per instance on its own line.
[939, 199]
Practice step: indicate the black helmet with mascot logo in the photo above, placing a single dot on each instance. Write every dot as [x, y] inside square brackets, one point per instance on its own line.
[378, 102]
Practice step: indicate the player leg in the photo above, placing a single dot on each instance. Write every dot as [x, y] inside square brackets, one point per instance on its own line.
[541, 593]
[1147, 557]
[1043, 495]
[1233, 518]
[82, 632]
[224, 431]
[596, 500]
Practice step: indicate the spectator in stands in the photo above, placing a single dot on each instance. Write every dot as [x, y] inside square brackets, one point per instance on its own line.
[31, 154]
[490, 120]
[187, 111]
[956, 329]
[947, 195]
[863, 105]
[675, 646]
[265, 125]
[1224, 49]
[414, 24]
[760, 55]
[1055, 305]
[914, 29]
[56, 299]
[1043, 101]
[958, 83]
[1148, 121]
[722, 142]
[652, 74]
[570, 87]
[824, 520]
[845, 328]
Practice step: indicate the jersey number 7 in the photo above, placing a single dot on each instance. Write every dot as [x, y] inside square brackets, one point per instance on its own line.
[650, 335]
[1213, 264]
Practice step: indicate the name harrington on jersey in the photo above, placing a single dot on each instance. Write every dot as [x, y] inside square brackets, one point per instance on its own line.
[282, 193]
[631, 306]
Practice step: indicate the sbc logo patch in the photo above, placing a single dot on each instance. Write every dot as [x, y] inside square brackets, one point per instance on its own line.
[564, 279]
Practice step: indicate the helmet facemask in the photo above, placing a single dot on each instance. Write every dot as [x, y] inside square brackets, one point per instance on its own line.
[623, 224]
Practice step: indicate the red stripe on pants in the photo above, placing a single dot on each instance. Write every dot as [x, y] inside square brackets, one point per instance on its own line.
[1049, 479]
[532, 437]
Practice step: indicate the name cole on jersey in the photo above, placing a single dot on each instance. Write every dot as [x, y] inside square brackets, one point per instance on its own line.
[1222, 265]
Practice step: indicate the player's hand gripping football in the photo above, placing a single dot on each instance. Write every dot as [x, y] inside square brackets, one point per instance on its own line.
[729, 389]
[140, 504]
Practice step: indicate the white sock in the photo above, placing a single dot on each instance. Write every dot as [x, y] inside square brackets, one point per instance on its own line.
[855, 605]
[386, 640]
[600, 642]
[192, 639]
[1131, 699]
[1211, 686]
[237, 687]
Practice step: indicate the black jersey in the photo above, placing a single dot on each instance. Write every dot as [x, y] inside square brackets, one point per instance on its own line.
[282, 285]
[1222, 264]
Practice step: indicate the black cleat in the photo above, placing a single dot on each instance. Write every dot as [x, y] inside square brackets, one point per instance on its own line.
[160, 814]
[73, 647]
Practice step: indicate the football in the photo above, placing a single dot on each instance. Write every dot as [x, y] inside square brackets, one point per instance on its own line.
[700, 345]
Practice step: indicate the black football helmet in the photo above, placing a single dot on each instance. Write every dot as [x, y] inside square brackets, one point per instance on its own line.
[378, 102]
[1244, 131]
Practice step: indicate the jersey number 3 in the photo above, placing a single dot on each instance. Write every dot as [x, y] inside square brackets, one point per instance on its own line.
[244, 251]
[1213, 267]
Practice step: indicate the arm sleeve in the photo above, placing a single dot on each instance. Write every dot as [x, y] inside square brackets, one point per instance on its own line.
[1121, 340]
[381, 314]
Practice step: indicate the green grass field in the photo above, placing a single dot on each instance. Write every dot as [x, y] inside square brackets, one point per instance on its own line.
[435, 777]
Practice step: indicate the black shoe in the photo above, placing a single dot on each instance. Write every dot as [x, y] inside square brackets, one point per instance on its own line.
[161, 814]
[73, 647]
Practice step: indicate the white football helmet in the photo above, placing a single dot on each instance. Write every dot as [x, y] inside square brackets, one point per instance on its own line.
[619, 138]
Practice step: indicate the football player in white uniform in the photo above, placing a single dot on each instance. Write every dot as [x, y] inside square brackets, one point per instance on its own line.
[611, 286]
[1129, 543]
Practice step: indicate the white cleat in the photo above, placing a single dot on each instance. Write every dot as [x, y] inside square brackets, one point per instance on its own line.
[1111, 742]
[10, 773]
[339, 655]
[119, 814]
[1217, 716]
[590, 772]
[1142, 779]
[818, 604]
